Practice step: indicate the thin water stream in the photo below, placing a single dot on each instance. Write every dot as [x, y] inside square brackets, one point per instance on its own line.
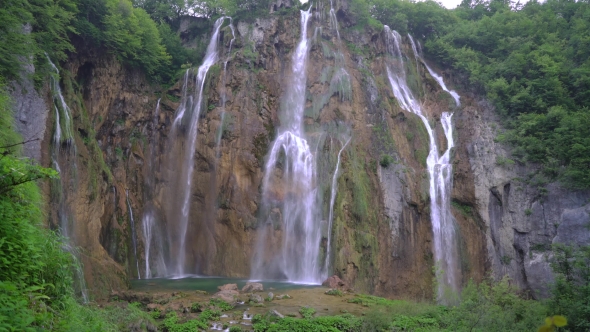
[186, 124]
[439, 169]
[63, 149]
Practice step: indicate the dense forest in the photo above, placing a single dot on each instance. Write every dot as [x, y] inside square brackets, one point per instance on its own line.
[532, 61]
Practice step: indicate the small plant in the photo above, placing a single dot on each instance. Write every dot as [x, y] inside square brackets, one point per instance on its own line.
[156, 314]
[335, 292]
[119, 152]
[224, 306]
[256, 319]
[503, 161]
[505, 260]
[307, 312]
[528, 212]
[196, 307]
[235, 329]
[386, 160]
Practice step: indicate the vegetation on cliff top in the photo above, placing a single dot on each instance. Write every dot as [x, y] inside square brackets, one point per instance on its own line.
[532, 61]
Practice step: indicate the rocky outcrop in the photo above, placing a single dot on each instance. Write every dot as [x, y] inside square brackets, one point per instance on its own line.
[252, 287]
[521, 214]
[335, 282]
[30, 112]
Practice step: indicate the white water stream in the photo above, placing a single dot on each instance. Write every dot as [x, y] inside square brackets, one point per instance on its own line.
[133, 232]
[334, 190]
[439, 169]
[289, 185]
[63, 135]
[187, 118]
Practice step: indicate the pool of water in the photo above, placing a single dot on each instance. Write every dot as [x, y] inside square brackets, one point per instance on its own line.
[208, 284]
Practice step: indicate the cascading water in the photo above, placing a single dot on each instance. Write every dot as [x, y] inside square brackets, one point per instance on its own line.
[333, 19]
[133, 233]
[432, 73]
[183, 149]
[439, 170]
[152, 236]
[334, 189]
[64, 149]
[289, 188]
[224, 93]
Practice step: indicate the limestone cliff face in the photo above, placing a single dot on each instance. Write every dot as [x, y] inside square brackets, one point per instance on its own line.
[382, 233]
[522, 214]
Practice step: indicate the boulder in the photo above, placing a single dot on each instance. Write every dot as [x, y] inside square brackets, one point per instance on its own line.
[335, 282]
[228, 287]
[276, 313]
[252, 287]
[256, 298]
[228, 296]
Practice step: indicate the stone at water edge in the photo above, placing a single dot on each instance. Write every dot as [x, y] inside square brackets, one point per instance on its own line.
[252, 287]
[271, 296]
[233, 287]
[276, 313]
[336, 283]
[256, 298]
[228, 296]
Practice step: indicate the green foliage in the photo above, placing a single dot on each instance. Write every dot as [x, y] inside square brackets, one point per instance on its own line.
[386, 160]
[465, 210]
[196, 307]
[335, 292]
[36, 282]
[318, 324]
[222, 305]
[571, 292]
[34, 27]
[171, 324]
[534, 64]
[133, 36]
[503, 161]
[307, 312]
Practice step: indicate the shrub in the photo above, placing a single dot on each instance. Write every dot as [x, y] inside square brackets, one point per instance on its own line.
[386, 160]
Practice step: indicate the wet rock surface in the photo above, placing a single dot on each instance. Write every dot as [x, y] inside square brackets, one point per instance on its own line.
[253, 287]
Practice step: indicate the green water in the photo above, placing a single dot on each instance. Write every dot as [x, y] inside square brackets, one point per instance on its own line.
[208, 284]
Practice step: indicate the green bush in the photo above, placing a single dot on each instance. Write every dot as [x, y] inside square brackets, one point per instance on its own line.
[307, 312]
[571, 292]
[335, 292]
[386, 160]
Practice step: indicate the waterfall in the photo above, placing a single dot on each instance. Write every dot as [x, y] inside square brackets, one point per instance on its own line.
[432, 73]
[151, 235]
[133, 233]
[439, 170]
[334, 189]
[63, 135]
[289, 187]
[60, 105]
[224, 92]
[183, 141]
[334, 20]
